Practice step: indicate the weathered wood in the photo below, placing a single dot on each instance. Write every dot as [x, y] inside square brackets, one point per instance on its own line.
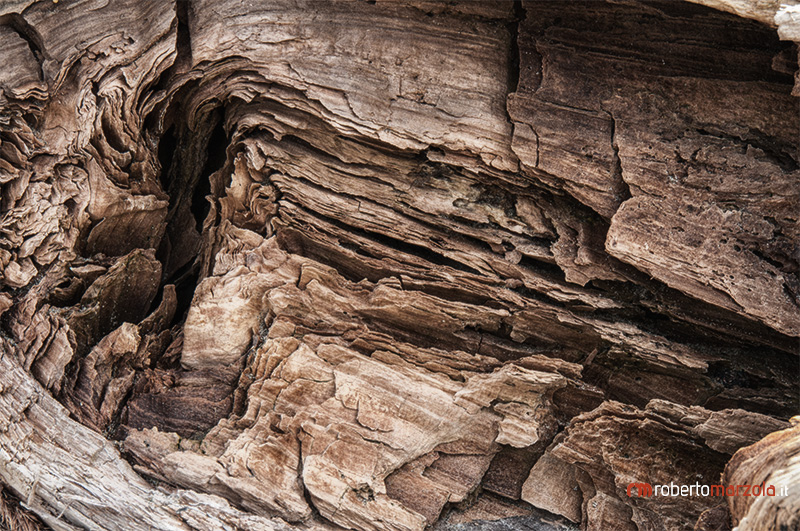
[358, 263]
[770, 462]
[73, 478]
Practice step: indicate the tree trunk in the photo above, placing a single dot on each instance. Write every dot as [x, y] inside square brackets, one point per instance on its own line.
[390, 265]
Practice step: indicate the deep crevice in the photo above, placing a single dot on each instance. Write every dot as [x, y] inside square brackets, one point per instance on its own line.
[514, 52]
[217, 155]
[622, 191]
[544, 269]
[763, 256]
[167, 145]
[185, 281]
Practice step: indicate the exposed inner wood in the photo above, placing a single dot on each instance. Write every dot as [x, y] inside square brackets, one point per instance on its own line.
[398, 264]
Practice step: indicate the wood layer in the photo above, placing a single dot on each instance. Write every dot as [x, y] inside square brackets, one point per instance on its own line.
[390, 265]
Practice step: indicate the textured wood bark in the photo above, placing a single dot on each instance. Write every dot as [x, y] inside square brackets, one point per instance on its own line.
[398, 264]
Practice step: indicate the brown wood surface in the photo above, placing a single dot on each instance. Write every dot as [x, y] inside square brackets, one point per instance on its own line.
[386, 265]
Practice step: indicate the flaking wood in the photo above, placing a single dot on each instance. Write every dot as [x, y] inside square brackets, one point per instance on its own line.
[399, 264]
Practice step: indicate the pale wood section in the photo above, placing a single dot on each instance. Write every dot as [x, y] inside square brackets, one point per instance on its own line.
[73, 478]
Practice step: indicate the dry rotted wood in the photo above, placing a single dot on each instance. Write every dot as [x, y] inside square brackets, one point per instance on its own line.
[397, 264]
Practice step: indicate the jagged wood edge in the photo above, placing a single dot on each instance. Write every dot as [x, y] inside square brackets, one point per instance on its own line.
[73, 478]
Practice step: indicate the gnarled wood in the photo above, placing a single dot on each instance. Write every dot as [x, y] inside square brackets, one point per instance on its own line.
[397, 264]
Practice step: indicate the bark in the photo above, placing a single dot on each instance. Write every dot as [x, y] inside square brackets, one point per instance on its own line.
[392, 265]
